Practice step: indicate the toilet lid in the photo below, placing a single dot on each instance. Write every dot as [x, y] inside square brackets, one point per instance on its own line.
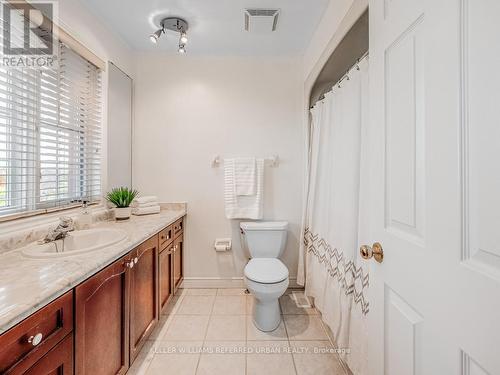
[266, 270]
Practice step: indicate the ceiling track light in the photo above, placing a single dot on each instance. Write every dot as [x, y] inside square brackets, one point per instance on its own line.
[174, 24]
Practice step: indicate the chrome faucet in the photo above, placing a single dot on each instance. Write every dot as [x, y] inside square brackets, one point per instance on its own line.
[65, 226]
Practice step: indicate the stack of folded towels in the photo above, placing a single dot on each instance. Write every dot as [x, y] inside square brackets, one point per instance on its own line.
[145, 205]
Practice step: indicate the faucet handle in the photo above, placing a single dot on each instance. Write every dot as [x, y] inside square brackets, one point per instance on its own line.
[66, 222]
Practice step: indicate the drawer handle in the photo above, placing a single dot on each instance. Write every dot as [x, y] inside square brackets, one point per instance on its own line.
[35, 340]
[136, 260]
[130, 264]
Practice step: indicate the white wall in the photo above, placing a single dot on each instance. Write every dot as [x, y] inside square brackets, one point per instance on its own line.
[324, 32]
[189, 109]
[92, 32]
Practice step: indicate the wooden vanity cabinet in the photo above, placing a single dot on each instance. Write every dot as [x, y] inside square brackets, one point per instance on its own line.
[143, 293]
[101, 325]
[102, 321]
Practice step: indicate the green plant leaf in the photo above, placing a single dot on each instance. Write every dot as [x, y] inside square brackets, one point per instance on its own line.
[121, 197]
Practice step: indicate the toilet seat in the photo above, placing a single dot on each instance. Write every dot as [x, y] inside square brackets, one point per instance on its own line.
[266, 270]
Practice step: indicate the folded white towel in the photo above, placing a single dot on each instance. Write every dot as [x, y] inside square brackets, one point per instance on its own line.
[243, 206]
[142, 205]
[143, 200]
[244, 176]
[146, 210]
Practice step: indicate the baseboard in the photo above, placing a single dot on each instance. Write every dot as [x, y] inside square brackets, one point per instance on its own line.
[221, 282]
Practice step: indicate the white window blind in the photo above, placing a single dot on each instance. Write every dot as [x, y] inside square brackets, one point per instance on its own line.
[50, 135]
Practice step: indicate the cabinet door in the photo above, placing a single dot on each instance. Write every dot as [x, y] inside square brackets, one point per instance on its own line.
[165, 266]
[178, 262]
[102, 322]
[143, 294]
[58, 361]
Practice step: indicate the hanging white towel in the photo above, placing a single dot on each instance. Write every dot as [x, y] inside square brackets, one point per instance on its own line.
[244, 176]
[243, 206]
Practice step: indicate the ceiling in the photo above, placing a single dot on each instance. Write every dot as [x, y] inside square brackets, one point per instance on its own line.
[216, 27]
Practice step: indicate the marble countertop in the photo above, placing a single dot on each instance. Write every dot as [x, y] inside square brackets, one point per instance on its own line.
[26, 285]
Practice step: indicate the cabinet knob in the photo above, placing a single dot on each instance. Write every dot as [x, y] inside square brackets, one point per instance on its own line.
[36, 339]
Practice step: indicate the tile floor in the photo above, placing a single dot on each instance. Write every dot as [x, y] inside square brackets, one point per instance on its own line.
[210, 332]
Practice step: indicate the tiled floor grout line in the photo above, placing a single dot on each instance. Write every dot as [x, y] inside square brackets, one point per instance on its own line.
[178, 302]
[330, 340]
[288, 338]
[206, 332]
[174, 314]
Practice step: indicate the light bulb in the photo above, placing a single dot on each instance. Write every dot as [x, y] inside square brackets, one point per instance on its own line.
[155, 36]
[184, 38]
[182, 49]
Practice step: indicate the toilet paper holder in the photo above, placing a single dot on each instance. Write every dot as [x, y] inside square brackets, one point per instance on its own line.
[222, 244]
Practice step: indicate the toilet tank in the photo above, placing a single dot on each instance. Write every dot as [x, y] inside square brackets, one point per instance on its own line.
[264, 239]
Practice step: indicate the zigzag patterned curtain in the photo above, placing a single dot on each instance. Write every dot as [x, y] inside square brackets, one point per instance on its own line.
[335, 274]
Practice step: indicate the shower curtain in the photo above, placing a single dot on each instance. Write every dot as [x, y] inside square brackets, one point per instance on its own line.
[335, 214]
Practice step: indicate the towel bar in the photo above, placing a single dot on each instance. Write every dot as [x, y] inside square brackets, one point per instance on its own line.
[273, 161]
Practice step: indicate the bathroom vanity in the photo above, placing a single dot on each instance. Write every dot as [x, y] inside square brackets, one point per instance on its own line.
[101, 323]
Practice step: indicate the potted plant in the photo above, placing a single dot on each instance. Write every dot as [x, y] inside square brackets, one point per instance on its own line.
[122, 197]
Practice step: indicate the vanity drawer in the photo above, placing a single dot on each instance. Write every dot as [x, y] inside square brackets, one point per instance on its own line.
[166, 235]
[178, 227]
[27, 342]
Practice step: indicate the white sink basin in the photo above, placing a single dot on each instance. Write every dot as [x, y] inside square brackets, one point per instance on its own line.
[76, 243]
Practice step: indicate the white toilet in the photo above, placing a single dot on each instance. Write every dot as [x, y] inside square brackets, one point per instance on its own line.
[266, 277]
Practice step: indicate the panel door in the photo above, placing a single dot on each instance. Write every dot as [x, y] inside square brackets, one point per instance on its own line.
[165, 274]
[435, 179]
[178, 261]
[143, 294]
[102, 322]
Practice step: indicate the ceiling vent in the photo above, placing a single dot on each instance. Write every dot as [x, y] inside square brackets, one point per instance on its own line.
[261, 20]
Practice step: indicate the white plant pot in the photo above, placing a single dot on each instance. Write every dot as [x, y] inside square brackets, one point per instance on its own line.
[122, 213]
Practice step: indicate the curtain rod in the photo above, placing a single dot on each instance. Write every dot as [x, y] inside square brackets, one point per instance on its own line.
[346, 75]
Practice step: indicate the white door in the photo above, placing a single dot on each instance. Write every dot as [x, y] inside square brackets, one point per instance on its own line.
[435, 184]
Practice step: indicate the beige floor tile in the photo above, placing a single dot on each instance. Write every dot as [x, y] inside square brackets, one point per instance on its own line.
[316, 358]
[304, 327]
[221, 364]
[186, 327]
[231, 292]
[177, 347]
[230, 305]
[181, 292]
[224, 347]
[172, 305]
[161, 327]
[143, 360]
[226, 327]
[250, 303]
[178, 364]
[253, 333]
[196, 305]
[268, 347]
[276, 364]
[289, 307]
[201, 292]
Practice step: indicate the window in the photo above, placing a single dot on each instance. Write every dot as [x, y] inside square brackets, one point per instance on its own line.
[50, 135]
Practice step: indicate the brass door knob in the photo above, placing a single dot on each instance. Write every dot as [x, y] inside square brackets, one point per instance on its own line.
[375, 251]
